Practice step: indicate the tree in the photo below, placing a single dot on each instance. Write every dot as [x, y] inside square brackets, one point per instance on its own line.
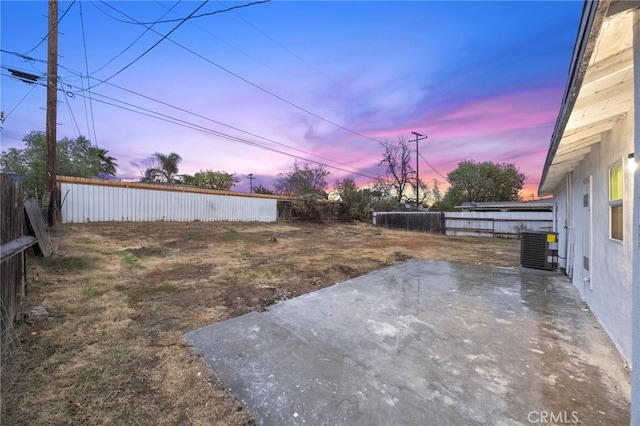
[74, 157]
[210, 179]
[305, 180]
[436, 192]
[100, 159]
[424, 194]
[262, 190]
[164, 168]
[355, 203]
[396, 159]
[483, 182]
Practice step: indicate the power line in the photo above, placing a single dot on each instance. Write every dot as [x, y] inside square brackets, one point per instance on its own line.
[195, 16]
[30, 59]
[193, 126]
[225, 42]
[225, 124]
[49, 32]
[73, 117]
[23, 56]
[33, 86]
[132, 43]
[86, 64]
[256, 85]
[182, 21]
[213, 121]
[289, 51]
[432, 168]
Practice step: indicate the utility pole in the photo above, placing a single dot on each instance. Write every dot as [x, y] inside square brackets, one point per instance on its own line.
[251, 178]
[52, 112]
[419, 137]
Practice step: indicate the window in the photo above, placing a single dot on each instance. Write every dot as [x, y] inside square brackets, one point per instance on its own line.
[615, 201]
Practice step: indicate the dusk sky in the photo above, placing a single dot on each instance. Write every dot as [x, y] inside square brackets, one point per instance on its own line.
[323, 81]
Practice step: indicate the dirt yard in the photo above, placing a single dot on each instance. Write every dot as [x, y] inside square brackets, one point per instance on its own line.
[119, 296]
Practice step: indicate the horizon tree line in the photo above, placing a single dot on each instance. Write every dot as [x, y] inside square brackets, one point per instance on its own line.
[471, 181]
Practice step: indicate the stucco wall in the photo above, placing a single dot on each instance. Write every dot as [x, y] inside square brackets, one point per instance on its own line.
[609, 292]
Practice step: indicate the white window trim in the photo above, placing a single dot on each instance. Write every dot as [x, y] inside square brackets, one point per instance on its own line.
[618, 201]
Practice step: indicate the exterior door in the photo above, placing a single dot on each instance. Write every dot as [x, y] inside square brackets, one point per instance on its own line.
[570, 237]
[586, 232]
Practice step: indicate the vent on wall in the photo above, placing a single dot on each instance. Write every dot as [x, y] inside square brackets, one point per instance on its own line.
[539, 250]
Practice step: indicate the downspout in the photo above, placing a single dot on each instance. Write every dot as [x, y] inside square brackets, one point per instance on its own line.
[570, 232]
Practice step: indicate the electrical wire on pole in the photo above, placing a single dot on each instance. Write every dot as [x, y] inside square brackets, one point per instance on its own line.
[51, 193]
[251, 178]
[419, 137]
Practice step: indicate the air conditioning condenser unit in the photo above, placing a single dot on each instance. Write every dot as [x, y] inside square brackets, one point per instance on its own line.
[539, 250]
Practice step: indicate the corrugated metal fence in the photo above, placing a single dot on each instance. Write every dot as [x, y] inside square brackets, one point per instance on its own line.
[497, 223]
[480, 224]
[86, 200]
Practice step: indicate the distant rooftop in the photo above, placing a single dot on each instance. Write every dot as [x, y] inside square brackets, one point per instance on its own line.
[545, 205]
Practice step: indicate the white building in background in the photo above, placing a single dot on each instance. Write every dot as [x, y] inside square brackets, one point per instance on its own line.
[590, 171]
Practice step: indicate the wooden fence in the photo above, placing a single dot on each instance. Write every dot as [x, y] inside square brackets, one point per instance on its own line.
[479, 224]
[431, 222]
[13, 258]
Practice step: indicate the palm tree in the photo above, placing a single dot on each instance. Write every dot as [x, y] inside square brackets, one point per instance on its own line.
[166, 168]
[103, 164]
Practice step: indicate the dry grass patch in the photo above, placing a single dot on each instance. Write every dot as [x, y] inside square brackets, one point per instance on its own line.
[120, 296]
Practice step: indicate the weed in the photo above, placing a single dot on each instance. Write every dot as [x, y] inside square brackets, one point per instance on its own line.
[148, 251]
[231, 235]
[194, 235]
[132, 298]
[402, 256]
[129, 259]
[75, 310]
[167, 288]
[66, 263]
[92, 292]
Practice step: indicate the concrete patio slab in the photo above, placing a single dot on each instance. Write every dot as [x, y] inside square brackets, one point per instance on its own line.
[424, 343]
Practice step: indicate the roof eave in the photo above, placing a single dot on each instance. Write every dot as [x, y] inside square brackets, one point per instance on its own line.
[593, 14]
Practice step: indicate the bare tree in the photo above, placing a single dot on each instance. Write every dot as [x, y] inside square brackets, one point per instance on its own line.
[437, 193]
[396, 159]
[424, 193]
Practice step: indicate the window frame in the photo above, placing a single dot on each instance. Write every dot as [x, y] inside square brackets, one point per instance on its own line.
[616, 202]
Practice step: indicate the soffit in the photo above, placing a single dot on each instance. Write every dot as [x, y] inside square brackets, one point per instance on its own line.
[606, 95]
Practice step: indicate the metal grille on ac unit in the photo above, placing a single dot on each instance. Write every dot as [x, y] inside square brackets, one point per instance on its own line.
[539, 250]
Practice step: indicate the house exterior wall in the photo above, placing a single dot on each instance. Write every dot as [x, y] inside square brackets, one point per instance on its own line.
[609, 291]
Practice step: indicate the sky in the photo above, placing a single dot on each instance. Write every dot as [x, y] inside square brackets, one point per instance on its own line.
[251, 89]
